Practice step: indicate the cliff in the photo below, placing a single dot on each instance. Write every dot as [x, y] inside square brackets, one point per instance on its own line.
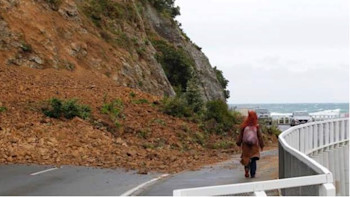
[127, 41]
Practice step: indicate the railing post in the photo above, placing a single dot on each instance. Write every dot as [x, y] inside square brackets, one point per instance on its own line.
[346, 170]
[297, 141]
[321, 135]
[281, 160]
[347, 129]
[331, 134]
[315, 133]
[341, 169]
[325, 158]
[337, 171]
[337, 131]
[327, 189]
[331, 161]
[327, 133]
[302, 139]
[310, 138]
[342, 130]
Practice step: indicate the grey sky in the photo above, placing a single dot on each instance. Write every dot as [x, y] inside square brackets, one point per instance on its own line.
[274, 51]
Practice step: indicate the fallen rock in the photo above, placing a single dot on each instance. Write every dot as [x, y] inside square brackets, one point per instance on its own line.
[131, 153]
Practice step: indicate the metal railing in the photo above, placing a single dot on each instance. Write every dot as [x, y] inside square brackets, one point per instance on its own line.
[324, 147]
[309, 156]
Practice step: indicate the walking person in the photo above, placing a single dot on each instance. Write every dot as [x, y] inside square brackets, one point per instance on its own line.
[250, 138]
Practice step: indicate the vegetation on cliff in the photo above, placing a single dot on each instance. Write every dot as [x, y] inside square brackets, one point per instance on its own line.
[110, 57]
[166, 7]
[223, 82]
[177, 64]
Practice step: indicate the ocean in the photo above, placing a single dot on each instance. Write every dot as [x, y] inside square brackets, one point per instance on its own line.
[319, 108]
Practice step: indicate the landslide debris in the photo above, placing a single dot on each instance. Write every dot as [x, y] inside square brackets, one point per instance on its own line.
[145, 138]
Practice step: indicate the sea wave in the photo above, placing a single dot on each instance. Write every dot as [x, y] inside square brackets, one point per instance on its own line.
[327, 112]
[332, 112]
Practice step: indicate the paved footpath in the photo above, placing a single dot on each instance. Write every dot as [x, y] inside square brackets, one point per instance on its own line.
[228, 172]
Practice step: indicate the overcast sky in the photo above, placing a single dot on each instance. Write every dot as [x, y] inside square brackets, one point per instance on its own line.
[274, 51]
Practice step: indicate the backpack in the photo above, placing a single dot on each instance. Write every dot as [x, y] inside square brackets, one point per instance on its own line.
[250, 136]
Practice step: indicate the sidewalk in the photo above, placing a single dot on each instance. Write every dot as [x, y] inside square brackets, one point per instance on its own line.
[228, 172]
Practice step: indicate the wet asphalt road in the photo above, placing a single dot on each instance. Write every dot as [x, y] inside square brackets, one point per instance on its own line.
[228, 172]
[72, 180]
[68, 180]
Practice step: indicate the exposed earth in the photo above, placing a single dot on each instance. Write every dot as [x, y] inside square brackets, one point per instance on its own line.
[147, 139]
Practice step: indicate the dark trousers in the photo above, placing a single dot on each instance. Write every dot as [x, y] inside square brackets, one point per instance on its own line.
[252, 166]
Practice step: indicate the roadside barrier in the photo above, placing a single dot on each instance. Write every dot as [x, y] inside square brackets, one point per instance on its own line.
[313, 160]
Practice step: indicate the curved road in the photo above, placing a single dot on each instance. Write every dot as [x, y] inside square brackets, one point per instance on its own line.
[36, 180]
[228, 172]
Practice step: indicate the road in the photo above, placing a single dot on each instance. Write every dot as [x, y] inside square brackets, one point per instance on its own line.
[228, 172]
[23, 180]
[35, 180]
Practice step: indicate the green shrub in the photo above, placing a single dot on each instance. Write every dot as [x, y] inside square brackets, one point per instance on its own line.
[124, 41]
[176, 62]
[132, 94]
[218, 112]
[148, 146]
[223, 81]
[270, 129]
[26, 47]
[166, 7]
[193, 96]
[140, 101]
[3, 109]
[99, 10]
[199, 138]
[68, 109]
[117, 124]
[144, 133]
[223, 145]
[176, 106]
[114, 108]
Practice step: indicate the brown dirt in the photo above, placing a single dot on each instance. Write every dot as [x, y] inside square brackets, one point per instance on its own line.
[27, 136]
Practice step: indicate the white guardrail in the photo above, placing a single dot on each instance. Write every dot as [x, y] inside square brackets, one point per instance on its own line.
[313, 160]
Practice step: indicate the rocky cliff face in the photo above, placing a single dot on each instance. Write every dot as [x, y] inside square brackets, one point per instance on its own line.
[208, 83]
[111, 37]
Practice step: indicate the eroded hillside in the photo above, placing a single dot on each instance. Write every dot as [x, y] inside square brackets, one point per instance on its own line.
[117, 59]
[120, 39]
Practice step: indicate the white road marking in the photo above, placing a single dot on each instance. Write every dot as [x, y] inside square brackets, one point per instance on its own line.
[133, 190]
[47, 170]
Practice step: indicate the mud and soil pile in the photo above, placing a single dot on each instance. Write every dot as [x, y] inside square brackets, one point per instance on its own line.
[145, 140]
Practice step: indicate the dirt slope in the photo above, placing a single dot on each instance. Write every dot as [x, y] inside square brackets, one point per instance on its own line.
[147, 140]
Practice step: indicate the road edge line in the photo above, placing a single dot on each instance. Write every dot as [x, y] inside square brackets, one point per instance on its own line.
[133, 190]
[43, 171]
